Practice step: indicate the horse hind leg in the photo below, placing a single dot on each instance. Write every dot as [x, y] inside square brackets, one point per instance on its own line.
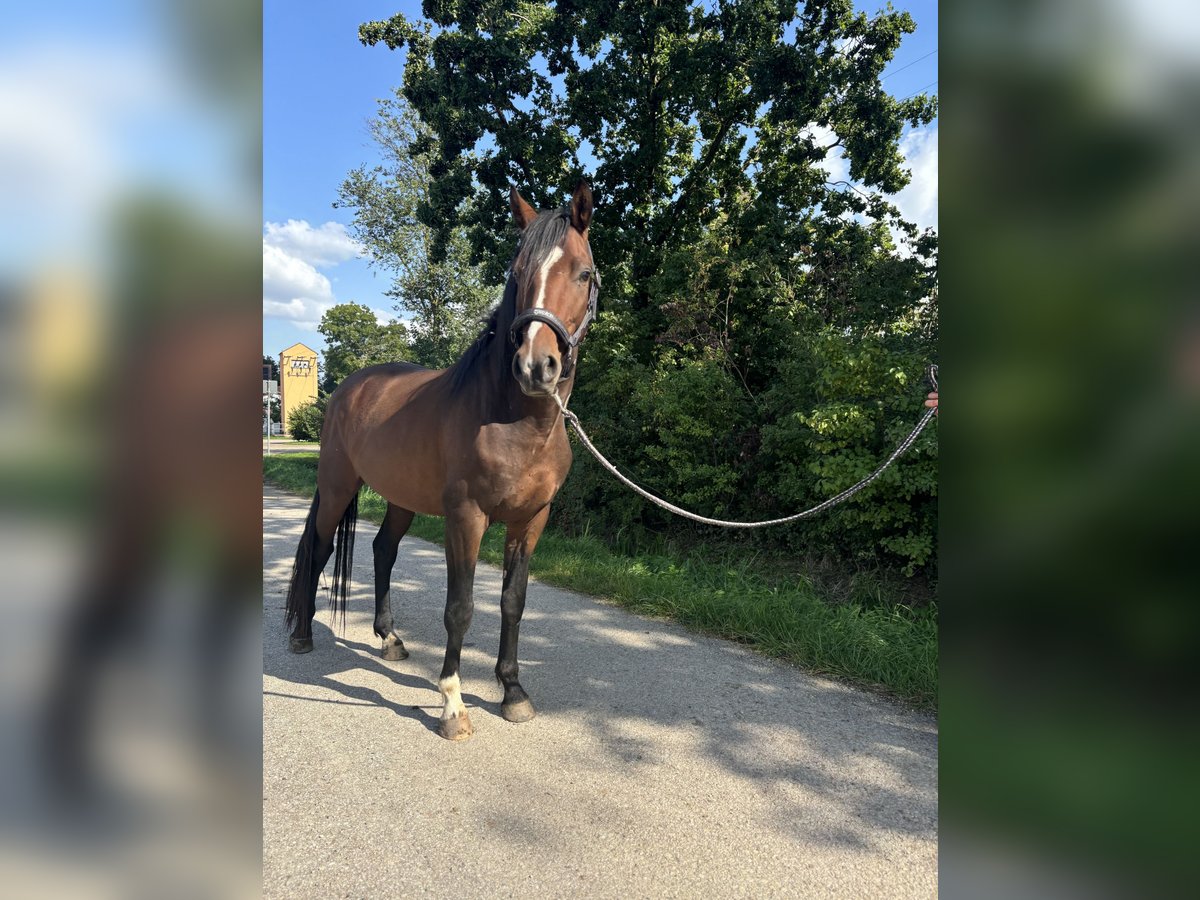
[330, 506]
[395, 524]
[311, 555]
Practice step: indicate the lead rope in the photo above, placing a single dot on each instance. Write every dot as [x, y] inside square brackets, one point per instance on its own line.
[704, 520]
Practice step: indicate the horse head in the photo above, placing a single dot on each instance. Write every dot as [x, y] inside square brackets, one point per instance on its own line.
[557, 291]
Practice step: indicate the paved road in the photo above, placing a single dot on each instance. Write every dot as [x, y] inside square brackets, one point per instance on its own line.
[278, 446]
[661, 764]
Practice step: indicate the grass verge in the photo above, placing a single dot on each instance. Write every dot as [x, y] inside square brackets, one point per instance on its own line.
[890, 648]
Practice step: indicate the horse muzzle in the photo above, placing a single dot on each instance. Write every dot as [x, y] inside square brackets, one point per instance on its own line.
[537, 375]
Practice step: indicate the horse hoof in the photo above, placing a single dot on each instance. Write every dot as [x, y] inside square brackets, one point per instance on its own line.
[456, 729]
[394, 651]
[300, 645]
[521, 711]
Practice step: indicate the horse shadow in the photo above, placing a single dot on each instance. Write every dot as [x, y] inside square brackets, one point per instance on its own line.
[333, 655]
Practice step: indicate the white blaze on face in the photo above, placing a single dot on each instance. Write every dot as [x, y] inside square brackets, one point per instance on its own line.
[539, 301]
[451, 690]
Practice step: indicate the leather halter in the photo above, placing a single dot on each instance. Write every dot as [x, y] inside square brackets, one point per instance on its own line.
[568, 343]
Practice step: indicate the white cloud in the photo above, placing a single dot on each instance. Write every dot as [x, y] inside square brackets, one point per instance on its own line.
[918, 202]
[293, 289]
[326, 245]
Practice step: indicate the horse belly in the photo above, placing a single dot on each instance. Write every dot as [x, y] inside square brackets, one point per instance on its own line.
[413, 497]
[407, 480]
[397, 450]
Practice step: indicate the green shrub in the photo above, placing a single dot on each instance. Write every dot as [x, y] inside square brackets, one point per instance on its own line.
[859, 399]
[305, 421]
[760, 394]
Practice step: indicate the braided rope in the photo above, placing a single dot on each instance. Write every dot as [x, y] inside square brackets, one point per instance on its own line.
[670, 507]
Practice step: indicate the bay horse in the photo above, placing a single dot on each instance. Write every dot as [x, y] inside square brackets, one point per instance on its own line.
[480, 442]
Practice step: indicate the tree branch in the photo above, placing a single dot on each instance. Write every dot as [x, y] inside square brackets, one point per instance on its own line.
[516, 157]
[689, 182]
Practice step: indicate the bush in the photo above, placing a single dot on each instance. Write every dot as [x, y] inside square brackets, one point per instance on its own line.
[858, 399]
[305, 421]
[765, 405]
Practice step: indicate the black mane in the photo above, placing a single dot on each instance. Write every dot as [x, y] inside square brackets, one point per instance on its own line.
[543, 235]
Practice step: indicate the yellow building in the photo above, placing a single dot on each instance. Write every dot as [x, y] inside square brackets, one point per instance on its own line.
[297, 378]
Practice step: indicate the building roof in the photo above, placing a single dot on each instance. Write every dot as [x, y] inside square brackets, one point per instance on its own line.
[297, 349]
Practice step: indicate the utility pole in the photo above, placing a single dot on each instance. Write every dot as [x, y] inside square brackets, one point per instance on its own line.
[270, 394]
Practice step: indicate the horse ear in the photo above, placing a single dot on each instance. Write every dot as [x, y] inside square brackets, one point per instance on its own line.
[581, 207]
[522, 212]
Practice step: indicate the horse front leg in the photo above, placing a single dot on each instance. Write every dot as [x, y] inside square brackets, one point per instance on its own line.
[464, 531]
[519, 543]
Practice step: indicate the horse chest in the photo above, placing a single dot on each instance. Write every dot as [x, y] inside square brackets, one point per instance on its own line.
[515, 485]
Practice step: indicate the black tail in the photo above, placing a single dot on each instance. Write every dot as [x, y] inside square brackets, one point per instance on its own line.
[343, 560]
[303, 566]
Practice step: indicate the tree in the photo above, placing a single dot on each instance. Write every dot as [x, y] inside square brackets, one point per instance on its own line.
[764, 324]
[680, 106]
[354, 339]
[447, 297]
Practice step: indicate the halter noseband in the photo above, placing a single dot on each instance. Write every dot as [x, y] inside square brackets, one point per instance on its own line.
[568, 342]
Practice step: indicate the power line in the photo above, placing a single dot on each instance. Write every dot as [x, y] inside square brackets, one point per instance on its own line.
[918, 91]
[902, 68]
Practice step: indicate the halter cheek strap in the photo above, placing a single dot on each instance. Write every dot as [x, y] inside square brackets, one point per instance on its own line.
[568, 343]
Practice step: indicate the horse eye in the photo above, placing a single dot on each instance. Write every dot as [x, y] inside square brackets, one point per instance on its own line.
[585, 275]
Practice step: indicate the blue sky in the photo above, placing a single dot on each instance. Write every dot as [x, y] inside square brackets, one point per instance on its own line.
[321, 86]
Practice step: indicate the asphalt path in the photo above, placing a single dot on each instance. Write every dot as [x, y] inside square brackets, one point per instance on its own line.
[277, 447]
[661, 763]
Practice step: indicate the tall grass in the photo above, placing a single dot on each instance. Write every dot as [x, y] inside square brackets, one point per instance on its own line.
[886, 647]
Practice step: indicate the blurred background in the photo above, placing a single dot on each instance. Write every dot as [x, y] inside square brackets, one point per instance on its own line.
[130, 194]
[130, 232]
[1069, 483]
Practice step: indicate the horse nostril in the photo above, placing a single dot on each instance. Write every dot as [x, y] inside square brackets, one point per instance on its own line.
[546, 371]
